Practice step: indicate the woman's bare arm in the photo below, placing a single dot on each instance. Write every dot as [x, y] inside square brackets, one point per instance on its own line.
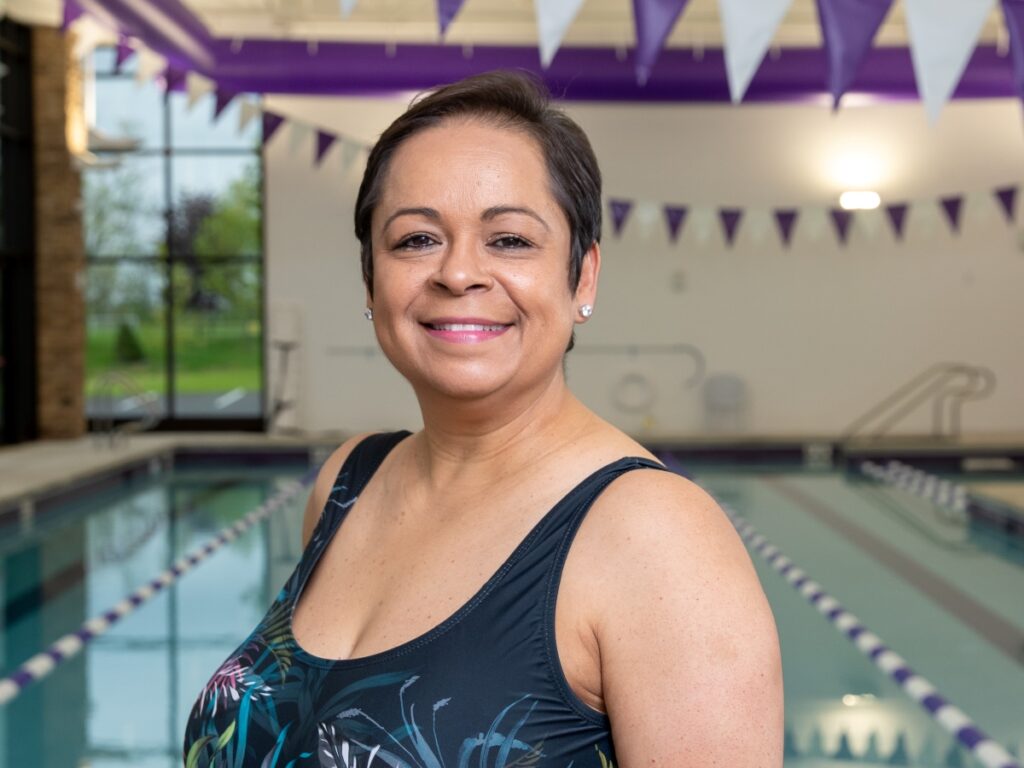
[690, 662]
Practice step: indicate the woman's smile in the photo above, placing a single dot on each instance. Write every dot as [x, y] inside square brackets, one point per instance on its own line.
[465, 330]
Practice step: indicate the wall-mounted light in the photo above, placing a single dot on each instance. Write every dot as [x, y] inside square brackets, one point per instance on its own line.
[859, 200]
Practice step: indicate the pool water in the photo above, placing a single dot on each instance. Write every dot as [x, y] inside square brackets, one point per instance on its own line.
[944, 593]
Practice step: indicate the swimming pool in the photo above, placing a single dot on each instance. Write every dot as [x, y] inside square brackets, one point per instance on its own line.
[940, 590]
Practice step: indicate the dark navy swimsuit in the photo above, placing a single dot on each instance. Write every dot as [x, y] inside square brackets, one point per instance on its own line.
[484, 689]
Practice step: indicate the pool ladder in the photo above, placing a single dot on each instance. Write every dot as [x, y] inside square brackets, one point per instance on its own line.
[106, 424]
[947, 385]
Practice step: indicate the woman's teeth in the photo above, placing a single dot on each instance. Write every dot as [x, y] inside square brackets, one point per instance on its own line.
[465, 327]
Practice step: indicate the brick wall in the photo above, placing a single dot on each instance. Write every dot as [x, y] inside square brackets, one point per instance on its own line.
[60, 252]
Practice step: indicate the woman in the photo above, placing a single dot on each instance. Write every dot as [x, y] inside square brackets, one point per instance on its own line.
[425, 631]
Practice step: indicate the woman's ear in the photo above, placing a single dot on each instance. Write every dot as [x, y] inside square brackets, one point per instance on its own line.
[590, 269]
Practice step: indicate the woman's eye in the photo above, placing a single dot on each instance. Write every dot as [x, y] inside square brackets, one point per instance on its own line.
[416, 242]
[510, 242]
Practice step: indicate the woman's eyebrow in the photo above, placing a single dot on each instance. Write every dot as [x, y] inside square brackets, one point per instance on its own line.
[429, 213]
[499, 210]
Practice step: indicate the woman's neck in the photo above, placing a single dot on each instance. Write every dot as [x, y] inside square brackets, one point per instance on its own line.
[497, 438]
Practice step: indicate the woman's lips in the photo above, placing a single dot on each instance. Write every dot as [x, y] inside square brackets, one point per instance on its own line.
[465, 330]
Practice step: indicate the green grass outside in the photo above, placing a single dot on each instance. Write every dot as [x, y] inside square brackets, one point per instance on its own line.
[209, 358]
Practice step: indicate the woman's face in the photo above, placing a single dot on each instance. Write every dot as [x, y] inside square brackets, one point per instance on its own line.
[470, 263]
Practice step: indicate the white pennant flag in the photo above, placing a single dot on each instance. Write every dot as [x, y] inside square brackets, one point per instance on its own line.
[349, 152]
[758, 223]
[748, 29]
[346, 7]
[148, 65]
[554, 17]
[298, 135]
[88, 34]
[646, 216]
[813, 222]
[197, 86]
[702, 223]
[869, 222]
[942, 34]
[247, 112]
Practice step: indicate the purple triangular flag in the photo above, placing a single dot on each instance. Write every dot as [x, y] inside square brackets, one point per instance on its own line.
[848, 27]
[653, 21]
[952, 206]
[730, 218]
[124, 52]
[447, 10]
[620, 212]
[324, 140]
[1013, 16]
[222, 99]
[271, 122]
[675, 217]
[841, 220]
[785, 220]
[72, 11]
[1007, 199]
[897, 213]
[173, 78]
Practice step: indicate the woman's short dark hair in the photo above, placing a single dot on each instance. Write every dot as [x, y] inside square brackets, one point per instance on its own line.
[510, 99]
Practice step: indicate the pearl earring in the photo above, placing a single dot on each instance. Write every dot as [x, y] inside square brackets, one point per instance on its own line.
[368, 313]
[586, 310]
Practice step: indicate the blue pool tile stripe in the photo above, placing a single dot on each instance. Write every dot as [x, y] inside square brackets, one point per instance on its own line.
[44, 662]
[989, 752]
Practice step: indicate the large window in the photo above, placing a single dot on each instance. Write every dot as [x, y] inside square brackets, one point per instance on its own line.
[17, 239]
[172, 208]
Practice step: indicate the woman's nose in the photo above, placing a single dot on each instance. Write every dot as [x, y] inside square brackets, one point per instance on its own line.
[462, 268]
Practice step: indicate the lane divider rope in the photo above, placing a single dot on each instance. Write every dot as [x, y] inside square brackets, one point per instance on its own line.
[944, 493]
[43, 663]
[989, 752]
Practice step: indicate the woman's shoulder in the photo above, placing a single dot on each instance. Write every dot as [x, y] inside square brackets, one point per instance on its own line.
[325, 481]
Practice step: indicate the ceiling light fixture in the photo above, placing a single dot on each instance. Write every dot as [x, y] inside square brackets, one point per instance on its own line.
[859, 200]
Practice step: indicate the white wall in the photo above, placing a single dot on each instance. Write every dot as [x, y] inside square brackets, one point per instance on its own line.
[818, 332]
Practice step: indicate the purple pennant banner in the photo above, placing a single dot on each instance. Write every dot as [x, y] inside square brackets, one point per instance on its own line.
[72, 10]
[841, 220]
[124, 52]
[730, 218]
[1007, 199]
[1013, 16]
[620, 212]
[222, 99]
[324, 140]
[653, 21]
[952, 207]
[785, 220]
[447, 10]
[897, 213]
[675, 217]
[271, 122]
[174, 78]
[848, 28]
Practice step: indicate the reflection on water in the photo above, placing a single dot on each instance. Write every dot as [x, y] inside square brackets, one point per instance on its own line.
[124, 700]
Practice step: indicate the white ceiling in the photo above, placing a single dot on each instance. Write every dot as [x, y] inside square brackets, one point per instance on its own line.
[600, 22]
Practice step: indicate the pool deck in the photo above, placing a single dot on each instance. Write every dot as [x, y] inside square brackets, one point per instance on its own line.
[42, 467]
[45, 466]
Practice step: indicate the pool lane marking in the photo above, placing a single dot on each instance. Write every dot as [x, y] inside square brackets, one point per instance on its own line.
[1000, 633]
[989, 752]
[944, 493]
[64, 648]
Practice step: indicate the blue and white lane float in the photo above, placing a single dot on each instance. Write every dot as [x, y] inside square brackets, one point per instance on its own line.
[944, 493]
[988, 752]
[43, 663]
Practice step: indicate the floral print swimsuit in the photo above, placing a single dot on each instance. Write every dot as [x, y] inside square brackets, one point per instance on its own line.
[483, 689]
